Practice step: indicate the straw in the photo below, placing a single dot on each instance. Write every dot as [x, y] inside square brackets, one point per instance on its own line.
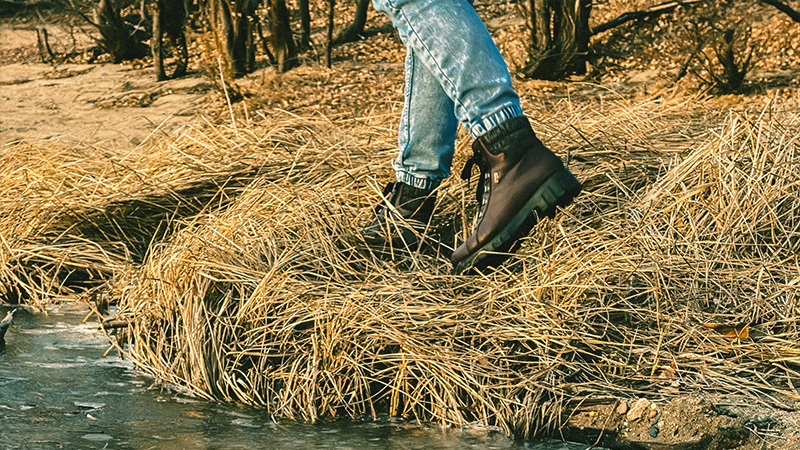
[687, 228]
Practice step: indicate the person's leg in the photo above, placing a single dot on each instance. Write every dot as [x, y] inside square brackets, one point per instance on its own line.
[428, 129]
[426, 141]
[450, 40]
[521, 179]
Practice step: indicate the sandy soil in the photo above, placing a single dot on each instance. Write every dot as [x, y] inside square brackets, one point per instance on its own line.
[107, 105]
[103, 105]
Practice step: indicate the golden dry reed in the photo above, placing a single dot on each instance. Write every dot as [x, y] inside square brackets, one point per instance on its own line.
[276, 301]
[73, 217]
[688, 228]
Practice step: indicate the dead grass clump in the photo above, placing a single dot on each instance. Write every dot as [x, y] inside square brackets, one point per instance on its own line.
[677, 276]
[72, 218]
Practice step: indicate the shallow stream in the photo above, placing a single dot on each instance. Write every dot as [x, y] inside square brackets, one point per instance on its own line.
[58, 391]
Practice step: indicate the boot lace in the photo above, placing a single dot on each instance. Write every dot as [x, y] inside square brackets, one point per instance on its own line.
[466, 174]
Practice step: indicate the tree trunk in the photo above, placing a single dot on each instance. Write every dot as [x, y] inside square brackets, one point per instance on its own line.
[305, 24]
[282, 40]
[329, 43]
[559, 35]
[356, 28]
[243, 56]
[169, 20]
[263, 40]
[157, 40]
[233, 33]
[219, 15]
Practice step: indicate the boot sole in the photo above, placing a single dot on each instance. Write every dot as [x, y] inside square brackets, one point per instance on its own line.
[558, 191]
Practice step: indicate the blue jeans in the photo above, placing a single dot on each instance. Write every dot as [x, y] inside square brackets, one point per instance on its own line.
[454, 73]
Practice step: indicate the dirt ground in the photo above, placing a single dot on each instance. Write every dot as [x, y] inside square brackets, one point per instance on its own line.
[682, 423]
[122, 106]
[106, 105]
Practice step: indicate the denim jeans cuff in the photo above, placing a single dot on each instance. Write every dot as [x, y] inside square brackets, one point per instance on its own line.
[482, 126]
[418, 182]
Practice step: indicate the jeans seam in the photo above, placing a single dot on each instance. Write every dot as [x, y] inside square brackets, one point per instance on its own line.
[406, 119]
[413, 31]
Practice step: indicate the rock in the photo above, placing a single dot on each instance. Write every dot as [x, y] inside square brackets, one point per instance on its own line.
[97, 437]
[4, 324]
[89, 405]
[638, 410]
[653, 431]
[475, 429]
[622, 408]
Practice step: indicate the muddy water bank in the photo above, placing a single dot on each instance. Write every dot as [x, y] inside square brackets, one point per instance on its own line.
[57, 390]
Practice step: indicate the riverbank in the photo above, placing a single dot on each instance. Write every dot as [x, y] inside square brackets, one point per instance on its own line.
[58, 389]
[231, 245]
[671, 278]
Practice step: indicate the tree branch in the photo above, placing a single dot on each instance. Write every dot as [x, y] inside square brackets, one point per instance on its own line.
[653, 11]
[783, 7]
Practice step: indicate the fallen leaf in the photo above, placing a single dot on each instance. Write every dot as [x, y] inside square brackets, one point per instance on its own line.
[740, 331]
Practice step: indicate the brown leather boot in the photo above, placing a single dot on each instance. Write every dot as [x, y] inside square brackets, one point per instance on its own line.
[521, 182]
[400, 221]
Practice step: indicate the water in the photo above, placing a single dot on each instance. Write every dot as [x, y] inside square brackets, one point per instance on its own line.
[58, 391]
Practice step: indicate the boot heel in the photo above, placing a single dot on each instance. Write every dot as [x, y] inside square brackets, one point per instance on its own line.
[557, 191]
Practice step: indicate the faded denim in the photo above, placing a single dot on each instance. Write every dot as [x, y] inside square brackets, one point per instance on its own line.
[454, 73]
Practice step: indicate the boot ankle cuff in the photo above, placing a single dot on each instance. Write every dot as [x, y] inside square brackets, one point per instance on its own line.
[414, 193]
[507, 135]
[416, 181]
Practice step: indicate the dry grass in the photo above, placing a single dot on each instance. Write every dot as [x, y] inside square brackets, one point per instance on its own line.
[236, 257]
[276, 301]
[71, 218]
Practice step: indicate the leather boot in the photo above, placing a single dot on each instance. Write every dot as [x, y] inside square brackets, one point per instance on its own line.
[400, 221]
[521, 182]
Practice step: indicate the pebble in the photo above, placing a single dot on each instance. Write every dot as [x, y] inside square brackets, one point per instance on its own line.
[638, 410]
[622, 408]
[89, 405]
[653, 431]
[97, 437]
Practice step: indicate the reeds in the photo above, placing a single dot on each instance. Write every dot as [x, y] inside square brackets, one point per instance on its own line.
[72, 218]
[688, 229]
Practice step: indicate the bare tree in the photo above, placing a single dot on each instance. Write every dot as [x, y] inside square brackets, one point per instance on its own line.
[730, 78]
[231, 21]
[121, 37]
[305, 24]
[282, 39]
[356, 27]
[169, 18]
[559, 36]
[329, 42]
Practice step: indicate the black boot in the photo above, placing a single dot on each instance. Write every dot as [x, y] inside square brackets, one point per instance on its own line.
[521, 182]
[401, 221]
